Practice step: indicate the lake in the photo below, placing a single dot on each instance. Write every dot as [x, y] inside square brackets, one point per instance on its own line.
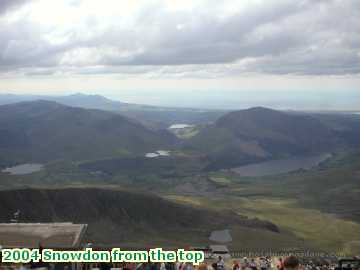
[279, 166]
[23, 169]
[180, 126]
[158, 153]
[222, 236]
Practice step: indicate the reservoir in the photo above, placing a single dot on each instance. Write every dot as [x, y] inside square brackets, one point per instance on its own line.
[222, 236]
[180, 126]
[279, 166]
[23, 169]
[158, 153]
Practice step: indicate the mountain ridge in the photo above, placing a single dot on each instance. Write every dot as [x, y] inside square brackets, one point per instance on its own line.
[158, 117]
[115, 216]
[259, 133]
[45, 130]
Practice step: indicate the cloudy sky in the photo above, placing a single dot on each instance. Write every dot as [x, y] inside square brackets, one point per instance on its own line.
[159, 51]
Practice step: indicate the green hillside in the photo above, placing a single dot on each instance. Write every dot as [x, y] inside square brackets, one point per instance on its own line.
[257, 134]
[42, 131]
[120, 217]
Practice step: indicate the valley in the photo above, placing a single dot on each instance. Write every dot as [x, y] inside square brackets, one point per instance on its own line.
[228, 128]
[273, 179]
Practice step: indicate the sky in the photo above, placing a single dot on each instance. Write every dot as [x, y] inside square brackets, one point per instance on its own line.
[205, 53]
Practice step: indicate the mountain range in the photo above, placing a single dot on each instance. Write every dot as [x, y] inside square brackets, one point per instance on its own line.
[95, 158]
[155, 117]
[42, 131]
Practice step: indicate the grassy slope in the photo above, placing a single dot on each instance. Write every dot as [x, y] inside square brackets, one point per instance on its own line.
[334, 187]
[320, 206]
[187, 132]
[318, 230]
[323, 231]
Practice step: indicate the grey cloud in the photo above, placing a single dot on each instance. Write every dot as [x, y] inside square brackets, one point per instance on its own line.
[204, 40]
[279, 37]
[8, 5]
[210, 40]
[22, 45]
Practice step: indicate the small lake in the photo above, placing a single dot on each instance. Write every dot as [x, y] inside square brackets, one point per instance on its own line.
[280, 166]
[158, 153]
[180, 126]
[23, 169]
[223, 236]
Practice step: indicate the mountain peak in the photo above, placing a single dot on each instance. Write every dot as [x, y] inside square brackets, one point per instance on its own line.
[251, 114]
[259, 109]
[78, 94]
[82, 95]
